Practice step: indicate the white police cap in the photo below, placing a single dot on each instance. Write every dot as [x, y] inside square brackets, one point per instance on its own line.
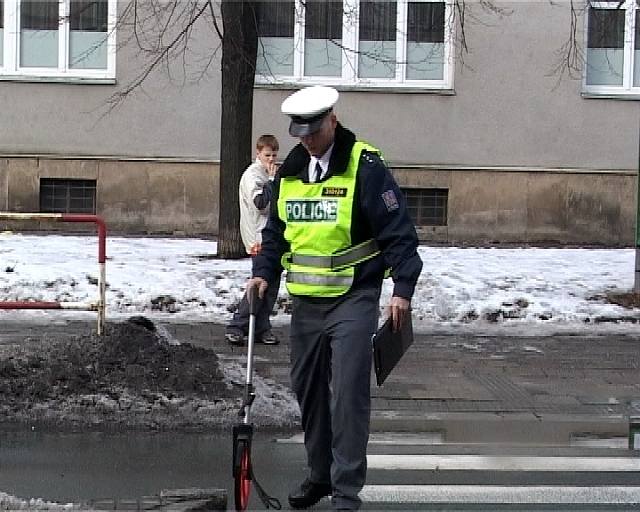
[308, 107]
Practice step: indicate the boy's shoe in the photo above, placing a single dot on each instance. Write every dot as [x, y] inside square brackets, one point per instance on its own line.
[235, 337]
[268, 338]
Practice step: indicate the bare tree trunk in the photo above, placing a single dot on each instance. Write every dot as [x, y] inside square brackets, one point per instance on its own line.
[239, 50]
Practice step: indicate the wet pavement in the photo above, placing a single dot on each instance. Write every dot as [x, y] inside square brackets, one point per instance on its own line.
[466, 390]
[469, 388]
[488, 388]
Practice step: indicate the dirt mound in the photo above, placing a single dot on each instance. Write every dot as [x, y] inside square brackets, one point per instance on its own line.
[131, 377]
[128, 357]
[628, 300]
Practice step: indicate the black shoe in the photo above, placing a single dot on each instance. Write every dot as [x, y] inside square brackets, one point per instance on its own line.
[236, 338]
[268, 338]
[308, 494]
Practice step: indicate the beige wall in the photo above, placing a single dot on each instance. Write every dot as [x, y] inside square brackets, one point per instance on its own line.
[525, 156]
[485, 205]
[132, 196]
[531, 206]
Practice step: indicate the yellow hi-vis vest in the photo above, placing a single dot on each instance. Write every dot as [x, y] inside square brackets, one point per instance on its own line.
[318, 228]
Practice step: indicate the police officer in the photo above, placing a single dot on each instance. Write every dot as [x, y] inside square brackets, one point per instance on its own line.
[338, 223]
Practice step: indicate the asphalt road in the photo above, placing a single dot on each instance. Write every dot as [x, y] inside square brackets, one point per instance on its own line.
[473, 423]
[406, 472]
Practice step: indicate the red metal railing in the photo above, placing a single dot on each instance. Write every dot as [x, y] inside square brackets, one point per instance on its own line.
[100, 304]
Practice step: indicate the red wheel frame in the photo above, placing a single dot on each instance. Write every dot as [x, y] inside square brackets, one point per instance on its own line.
[243, 477]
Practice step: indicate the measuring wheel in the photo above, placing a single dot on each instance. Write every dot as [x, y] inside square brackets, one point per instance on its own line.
[242, 465]
[243, 432]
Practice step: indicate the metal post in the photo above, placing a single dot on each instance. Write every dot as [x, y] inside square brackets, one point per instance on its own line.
[636, 282]
[634, 433]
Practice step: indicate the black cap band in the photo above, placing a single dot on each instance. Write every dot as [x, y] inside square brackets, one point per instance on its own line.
[301, 126]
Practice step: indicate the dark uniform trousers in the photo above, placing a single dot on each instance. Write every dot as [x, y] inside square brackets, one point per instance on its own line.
[330, 374]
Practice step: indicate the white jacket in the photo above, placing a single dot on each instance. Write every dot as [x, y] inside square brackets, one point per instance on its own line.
[252, 220]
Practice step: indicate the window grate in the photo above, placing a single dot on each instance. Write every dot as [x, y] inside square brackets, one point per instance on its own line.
[427, 206]
[59, 195]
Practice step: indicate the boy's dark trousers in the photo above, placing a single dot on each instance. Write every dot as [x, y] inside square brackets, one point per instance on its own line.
[240, 318]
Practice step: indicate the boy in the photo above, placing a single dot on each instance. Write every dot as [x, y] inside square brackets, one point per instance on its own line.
[255, 196]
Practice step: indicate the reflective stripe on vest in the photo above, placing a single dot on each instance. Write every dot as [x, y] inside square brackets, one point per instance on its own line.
[313, 279]
[347, 258]
[317, 219]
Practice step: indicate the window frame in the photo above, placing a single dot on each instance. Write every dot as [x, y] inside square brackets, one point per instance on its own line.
[10, 68]
[67, 185]
[627, 89]
[349, 52]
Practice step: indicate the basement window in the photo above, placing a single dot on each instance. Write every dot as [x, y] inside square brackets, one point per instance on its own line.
[427, 206]
[59, 195]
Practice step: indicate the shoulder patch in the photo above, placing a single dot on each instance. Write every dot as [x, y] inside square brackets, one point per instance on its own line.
[390, 200]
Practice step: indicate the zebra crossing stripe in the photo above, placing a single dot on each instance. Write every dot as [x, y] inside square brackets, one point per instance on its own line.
[495, 494]
[385, 438]
[502, 463]
[500, 494]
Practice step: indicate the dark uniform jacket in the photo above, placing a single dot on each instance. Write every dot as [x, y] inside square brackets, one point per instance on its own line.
[379, 212]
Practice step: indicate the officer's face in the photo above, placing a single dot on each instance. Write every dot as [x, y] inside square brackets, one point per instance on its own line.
[318, 142]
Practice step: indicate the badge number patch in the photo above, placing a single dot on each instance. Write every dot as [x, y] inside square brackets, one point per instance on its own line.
[334, 192]
[312, 210]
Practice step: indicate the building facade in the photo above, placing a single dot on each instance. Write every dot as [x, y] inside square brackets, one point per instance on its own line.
[491, 138]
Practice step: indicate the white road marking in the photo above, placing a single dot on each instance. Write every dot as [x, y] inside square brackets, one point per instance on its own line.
[386, 438]
[596, 442]
[501, 463]
[500, 494]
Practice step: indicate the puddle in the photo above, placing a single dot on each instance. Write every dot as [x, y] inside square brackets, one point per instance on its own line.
[83, 466]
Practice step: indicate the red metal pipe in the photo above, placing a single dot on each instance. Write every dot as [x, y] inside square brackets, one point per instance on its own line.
[30, 305]
[102, 231]
[102, 258]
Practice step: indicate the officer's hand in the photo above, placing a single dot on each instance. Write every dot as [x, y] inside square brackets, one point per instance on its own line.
[259, 283]
[398, 311]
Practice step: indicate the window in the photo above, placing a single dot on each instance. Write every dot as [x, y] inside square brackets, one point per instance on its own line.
[1, 31]
[67, 196]
[613, 48]
[58, 39]
[427, 206]
[362, 43]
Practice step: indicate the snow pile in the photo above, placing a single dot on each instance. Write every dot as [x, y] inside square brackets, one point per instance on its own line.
[8, 502]
[520, 290]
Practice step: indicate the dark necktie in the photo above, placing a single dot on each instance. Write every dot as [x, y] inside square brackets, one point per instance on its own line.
[316, 179]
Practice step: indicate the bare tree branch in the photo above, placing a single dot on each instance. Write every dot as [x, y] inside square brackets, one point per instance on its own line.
[164, 52]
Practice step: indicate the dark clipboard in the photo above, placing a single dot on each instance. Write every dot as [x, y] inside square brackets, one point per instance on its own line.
[389, 347]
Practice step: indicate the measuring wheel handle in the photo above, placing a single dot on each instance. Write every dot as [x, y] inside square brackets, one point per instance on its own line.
[254, 300]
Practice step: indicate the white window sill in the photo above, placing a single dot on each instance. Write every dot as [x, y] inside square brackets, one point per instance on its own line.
[59, 79]
[389, 87]
[611, 94]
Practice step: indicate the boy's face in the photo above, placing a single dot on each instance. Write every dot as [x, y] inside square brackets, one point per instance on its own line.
[267, 156]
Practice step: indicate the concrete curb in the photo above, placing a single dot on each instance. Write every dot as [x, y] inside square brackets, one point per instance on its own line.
[169, 500]
[502, 428]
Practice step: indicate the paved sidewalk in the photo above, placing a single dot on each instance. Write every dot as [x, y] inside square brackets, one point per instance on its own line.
[489, 388]
[471, 389]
